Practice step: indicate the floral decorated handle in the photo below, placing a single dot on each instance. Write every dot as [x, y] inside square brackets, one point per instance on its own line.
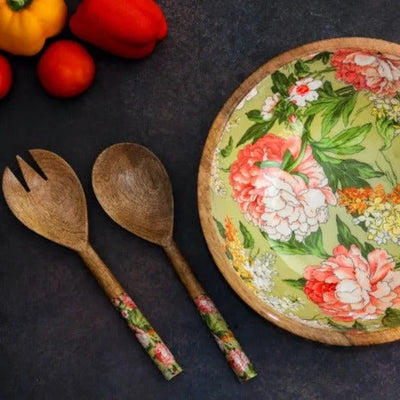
[231, 348]
[147, 336]
[227, 342]
[144, 332]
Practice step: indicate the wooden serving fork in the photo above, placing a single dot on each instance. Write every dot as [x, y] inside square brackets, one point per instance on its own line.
[55, 208]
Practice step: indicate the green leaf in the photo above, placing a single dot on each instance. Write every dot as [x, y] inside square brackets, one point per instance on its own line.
[248, 240]
[320, 105]
[255, 116]
[346, 151]
[256, 131]
[291, 247]
[339, 327]
[391, 318]
[302, 176]
[229, 254]
[397, 265]
[348, 108]
[327, 89]
[312, 245]
[358, 326]
[220, 228]
[287, 160]
[345, 237]
[216, 325]
[307, 126]
[386, 130]
[368, 247]
[296, 283]
[332, 107]
[280, 82]
[323, 56]
[329, 120]
[345, 91]
[348, 137]
[284, 109]
[291, 80]
[268, 164]
[137, 318]
[343, 328]
[345, 142]
[365, 170]
[226, 151]
[301, 68]
[315, 245]
[345, 173]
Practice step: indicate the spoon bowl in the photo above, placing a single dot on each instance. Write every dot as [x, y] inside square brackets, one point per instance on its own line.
[133, 188]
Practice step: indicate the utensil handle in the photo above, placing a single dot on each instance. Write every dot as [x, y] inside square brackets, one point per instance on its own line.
[224, 337]
[144, 332]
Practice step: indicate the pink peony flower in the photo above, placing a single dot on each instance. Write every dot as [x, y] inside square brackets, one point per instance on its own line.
[116, 301]
[128, 301]
[379, 73]
[347, 286]
[135, 329]
[238, 360]
[278, 202]
[143, 338]
[163, 354]
[205, 304]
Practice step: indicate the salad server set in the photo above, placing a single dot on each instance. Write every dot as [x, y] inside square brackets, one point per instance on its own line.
[133, 188]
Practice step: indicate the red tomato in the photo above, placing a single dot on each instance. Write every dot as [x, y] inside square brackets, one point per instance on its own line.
[5, 76]
[66, 69]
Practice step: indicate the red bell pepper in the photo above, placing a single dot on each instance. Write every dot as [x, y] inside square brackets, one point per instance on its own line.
[127, 28]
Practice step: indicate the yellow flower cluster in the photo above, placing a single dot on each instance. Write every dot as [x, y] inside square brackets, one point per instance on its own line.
[387, 108]
[236, 250]
[380, 212]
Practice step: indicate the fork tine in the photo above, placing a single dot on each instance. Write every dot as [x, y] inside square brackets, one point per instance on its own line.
[12, 186]
[31, 176]
[45, 160]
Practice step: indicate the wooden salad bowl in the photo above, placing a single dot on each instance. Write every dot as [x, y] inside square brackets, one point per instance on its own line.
[298, 191]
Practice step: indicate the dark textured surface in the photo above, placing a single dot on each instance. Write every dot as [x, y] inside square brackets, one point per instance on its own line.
[59, 336]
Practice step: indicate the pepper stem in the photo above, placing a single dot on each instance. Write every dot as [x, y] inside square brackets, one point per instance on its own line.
[18, 5]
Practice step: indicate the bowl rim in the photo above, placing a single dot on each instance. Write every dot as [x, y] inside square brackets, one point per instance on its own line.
[204, 196]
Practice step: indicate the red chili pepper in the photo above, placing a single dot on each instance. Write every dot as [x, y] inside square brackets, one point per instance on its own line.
[127, 28]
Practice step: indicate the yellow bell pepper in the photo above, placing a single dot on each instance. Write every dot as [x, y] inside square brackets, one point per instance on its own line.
[26, 24]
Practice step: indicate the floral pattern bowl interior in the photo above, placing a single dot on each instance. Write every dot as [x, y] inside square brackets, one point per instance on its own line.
[299, 191]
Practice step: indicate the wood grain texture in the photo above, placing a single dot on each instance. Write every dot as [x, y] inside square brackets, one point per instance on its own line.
[183, 270]
[55, 208]
[134, 189]
[204, 196]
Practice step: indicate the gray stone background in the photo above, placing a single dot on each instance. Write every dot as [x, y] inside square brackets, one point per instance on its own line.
[59, 336]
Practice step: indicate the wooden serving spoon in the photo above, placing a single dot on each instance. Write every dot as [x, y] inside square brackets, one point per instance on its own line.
[55, 208]
[133, 187]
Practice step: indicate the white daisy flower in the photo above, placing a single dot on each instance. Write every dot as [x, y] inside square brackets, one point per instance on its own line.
[304, 90]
